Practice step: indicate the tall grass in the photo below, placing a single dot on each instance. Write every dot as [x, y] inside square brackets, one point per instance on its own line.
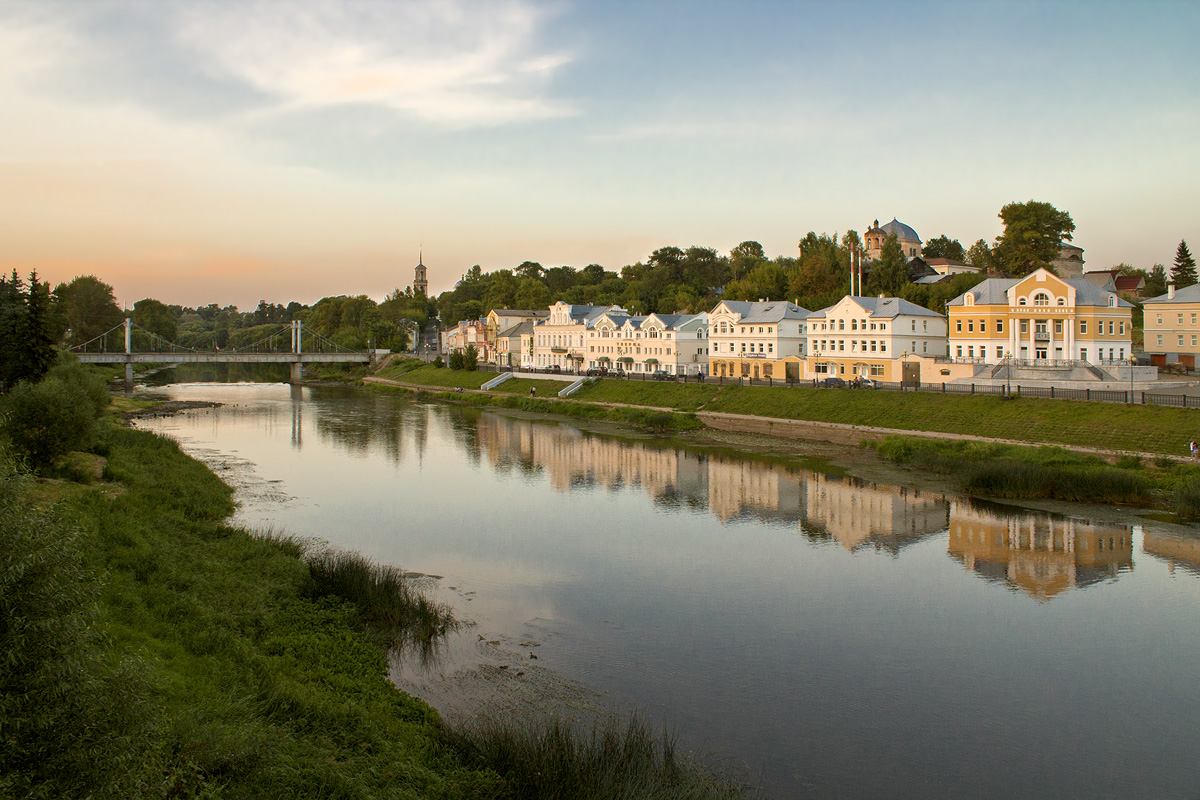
[388, 601]
[609, 762]
[1011, 471]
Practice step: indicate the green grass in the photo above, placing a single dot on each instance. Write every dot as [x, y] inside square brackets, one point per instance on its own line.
[523, 385]
[1152, 429]
[1052, 473]
[561, 761]
[446, 378]
[663, 394]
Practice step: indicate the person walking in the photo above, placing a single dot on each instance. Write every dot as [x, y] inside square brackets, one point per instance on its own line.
[1195, 449]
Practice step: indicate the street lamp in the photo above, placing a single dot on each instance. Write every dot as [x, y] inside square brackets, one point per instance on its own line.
[1007, 371]
[1132, 361]
[903, 360]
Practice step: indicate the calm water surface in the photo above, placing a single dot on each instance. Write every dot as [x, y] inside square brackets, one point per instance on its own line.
[823, 636]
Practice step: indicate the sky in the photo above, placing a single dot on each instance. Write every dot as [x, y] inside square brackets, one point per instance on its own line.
[231, 151]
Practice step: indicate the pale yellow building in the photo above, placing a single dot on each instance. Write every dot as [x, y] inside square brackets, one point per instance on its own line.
[870, 337]
[1042, 319]
[1172, 326]
[757, 340]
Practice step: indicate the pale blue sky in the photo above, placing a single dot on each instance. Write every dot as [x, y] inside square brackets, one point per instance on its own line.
[222, 151]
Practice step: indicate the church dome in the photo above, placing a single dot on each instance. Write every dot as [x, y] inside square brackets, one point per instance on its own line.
[902, 231]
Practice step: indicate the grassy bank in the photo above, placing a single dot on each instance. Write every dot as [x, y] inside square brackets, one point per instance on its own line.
[151, 649]
[1051, 473]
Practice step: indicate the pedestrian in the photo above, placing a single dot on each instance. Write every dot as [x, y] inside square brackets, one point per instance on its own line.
[532, 391]
[1195, 449]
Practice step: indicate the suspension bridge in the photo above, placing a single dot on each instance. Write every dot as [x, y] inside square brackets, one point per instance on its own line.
[304, 347]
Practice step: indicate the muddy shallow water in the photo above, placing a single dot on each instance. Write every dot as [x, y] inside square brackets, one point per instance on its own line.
[810, 624]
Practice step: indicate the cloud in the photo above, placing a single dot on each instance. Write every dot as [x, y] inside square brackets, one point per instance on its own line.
[458, 63]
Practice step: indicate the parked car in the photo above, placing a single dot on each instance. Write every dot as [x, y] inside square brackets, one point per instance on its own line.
[616, 373]
[833, 383]
[662, 375]
[597, 372]
[866, 383]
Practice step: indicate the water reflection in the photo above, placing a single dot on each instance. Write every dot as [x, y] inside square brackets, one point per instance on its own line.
[1036, 553]
[1178, 551]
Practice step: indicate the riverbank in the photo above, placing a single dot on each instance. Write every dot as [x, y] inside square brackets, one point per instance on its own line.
[198, 659]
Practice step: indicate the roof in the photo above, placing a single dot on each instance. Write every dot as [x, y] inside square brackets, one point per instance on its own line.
[516, 330]
[902, 231]
[520, 312]
[947, 262]
[883, 307]
[1188, 294]
[934, 279]
[1129, 283]
[764, 310]
[994, 291]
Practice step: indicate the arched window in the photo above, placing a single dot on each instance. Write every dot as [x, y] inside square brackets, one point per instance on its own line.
[1021, 302]
[1041, 299]
[970, 299]
[1112, 301]
[1062, 301]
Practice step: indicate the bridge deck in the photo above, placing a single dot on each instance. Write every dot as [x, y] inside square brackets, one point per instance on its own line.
[224, 358]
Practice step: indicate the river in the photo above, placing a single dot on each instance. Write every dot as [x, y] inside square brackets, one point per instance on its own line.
[819, 635]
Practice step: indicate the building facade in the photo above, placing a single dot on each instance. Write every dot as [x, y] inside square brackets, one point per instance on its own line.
[676, 344]
[764, 339]
[560, 339]
[1172, 326]
[420, 284]
[869, 337]
[499, 320]
[1040, 318]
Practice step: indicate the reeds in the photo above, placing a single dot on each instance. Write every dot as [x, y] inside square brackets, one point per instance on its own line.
[612, 761]
[388, 601]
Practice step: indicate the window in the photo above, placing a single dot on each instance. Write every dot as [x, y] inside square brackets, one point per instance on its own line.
[999, 326]
[883, 347]
[970, 352]
[1024, 326]
[1058, 326]
[971, 326]
[914, 322]
[960, 351]
[1062, 301]
[770, 347]
[1121, 328]
[1158, 319]
[1110, 328]
[853, 324]
[883, 326]
[841, 324]
[1181, 340]
[1180, 316]
[1160, 344]
[958, 326]
[1193, 319]
[982, 325]
[924, 324]
[1083, 326]
[1041, 299]
[1193, 340]
[872, 345]
[999, 352]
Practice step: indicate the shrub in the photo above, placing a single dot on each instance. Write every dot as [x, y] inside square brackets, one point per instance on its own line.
[456, 359]
[47, 420]
[470, 358]
[1186, 498]
[71, 719]
[437, 362]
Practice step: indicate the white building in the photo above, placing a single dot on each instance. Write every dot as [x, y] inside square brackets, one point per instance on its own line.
[764, 339]
[673, 343]
[868, 337]
[560, 339]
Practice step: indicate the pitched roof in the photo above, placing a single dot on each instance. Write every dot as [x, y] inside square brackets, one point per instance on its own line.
[764, 311]
[883, 307]
[516, 330]
[520, 312]
[1188, 294]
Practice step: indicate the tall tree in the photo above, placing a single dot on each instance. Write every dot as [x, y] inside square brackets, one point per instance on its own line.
[88, 307]
[40, 353]
[745, 257]
[1183, 273]
[1032, 238]
[156, 317]
[944, 247]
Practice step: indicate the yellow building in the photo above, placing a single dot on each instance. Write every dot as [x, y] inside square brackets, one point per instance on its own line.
[1172, 329]
[756, 340]
[1036, 553]
[1042, 319]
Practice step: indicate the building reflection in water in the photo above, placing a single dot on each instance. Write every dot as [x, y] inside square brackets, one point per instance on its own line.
[1178, 551]
[1034, 552]
[848, 511]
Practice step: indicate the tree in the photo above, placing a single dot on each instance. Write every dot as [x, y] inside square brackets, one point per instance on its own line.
[1184, 272]
[1156, 281]
[38, 337]
[889, 274]
[980, 255]
[1032, 238]
[745, 257]
[944, 247]
[151, 315]
[87, 307]
[470, 358]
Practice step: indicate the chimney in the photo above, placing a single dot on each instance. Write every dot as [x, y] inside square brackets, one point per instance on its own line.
[1170, 291]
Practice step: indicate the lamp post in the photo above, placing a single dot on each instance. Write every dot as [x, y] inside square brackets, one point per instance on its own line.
[1008, 372]
[1132, 361]
[903, 362]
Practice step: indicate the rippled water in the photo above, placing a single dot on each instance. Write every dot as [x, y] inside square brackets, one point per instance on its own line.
[823, 636]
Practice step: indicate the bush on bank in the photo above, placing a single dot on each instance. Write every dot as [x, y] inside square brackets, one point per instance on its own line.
[46, 420]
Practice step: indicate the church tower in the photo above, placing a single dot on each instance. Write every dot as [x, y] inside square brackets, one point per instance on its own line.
[420, 284]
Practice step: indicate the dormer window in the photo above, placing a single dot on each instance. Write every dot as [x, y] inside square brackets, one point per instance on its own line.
[970, 299]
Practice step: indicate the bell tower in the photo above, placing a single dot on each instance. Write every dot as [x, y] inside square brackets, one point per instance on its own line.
[420, 284]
